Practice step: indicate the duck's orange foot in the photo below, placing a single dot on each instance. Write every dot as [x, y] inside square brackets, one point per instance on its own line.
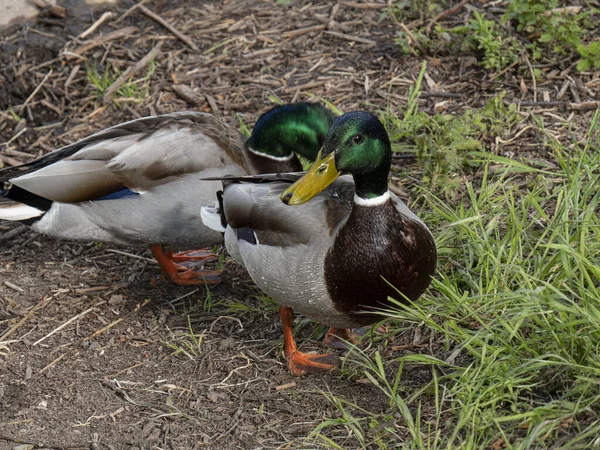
[301, 364]
[173, 266]
[339, 338]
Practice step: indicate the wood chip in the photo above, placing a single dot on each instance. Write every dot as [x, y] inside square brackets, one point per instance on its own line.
[282, 387]
[14, 287]
[187, 94]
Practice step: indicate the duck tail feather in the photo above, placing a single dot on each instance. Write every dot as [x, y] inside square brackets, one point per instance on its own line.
[214, 216]
[19, 212]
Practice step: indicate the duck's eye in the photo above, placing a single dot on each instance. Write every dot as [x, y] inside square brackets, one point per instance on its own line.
[358, 138]
[322, 168]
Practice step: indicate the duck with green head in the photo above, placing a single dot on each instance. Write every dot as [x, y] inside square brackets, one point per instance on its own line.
[140, 182]
[338, 257]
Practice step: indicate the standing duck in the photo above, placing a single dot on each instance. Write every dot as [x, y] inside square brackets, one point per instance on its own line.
[140, 182]
[340, 256]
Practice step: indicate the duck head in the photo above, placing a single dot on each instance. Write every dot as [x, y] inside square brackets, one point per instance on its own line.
[356, 144]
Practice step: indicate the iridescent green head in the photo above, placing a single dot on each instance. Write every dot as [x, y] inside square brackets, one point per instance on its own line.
[360, 144]
[294, 128]
[357, 144]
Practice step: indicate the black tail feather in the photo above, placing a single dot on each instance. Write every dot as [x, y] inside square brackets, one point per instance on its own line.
[221, 210]
[20, 195]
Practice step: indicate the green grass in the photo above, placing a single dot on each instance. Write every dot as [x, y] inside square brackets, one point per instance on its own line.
[496, 49]
[448, 146]
[539, 30]
[550, 32]
[186, 342]
[513, 315]
[134, 90]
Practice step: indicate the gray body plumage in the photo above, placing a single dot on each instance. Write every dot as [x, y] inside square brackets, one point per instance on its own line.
[158, 216]
[161, 160]
[288, 259]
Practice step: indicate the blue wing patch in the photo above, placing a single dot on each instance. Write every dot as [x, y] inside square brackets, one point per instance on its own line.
[119, 194]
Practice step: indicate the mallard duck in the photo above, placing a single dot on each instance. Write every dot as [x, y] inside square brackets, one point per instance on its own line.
[340, 256]
[140, 182]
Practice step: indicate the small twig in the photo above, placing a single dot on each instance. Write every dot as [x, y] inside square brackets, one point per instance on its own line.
[112, 324]
[72, 319]
[131, 71]
[225, 317]
[532, 79]
[502, 72]
[138, 364]
[16, 422]
[131, 255]
[16, 136]
[301, 31]
[213, 104]
[444, 14]
[412, 38]
[185, 39]
[103, 18]
[440, 95]
[122, 393]
[71, 76]
[581, 106]
[91, 289]
[351, 38]
[117, 34]
[36, 90]
[130, 11]
[515, 137]
[43, 302]
[14, 286]
[38, 444]
[96, 333]
[53, 363]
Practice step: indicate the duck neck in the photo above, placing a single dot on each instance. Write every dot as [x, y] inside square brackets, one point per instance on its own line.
[371, 186]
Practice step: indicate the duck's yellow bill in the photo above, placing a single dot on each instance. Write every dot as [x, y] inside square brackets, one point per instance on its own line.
[322, 173]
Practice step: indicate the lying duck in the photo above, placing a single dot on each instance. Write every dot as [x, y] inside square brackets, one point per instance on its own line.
[140, 182]
[337, 258]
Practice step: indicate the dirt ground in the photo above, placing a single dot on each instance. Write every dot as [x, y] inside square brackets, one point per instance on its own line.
[97, 350]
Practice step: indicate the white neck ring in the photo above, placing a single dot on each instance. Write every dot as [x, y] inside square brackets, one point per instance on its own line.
[274, 158]
[372, 201]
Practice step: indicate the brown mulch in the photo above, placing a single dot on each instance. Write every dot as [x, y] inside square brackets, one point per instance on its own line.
[96, 350]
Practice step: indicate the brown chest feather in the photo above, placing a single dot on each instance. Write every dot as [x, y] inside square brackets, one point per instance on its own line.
[378, 246]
